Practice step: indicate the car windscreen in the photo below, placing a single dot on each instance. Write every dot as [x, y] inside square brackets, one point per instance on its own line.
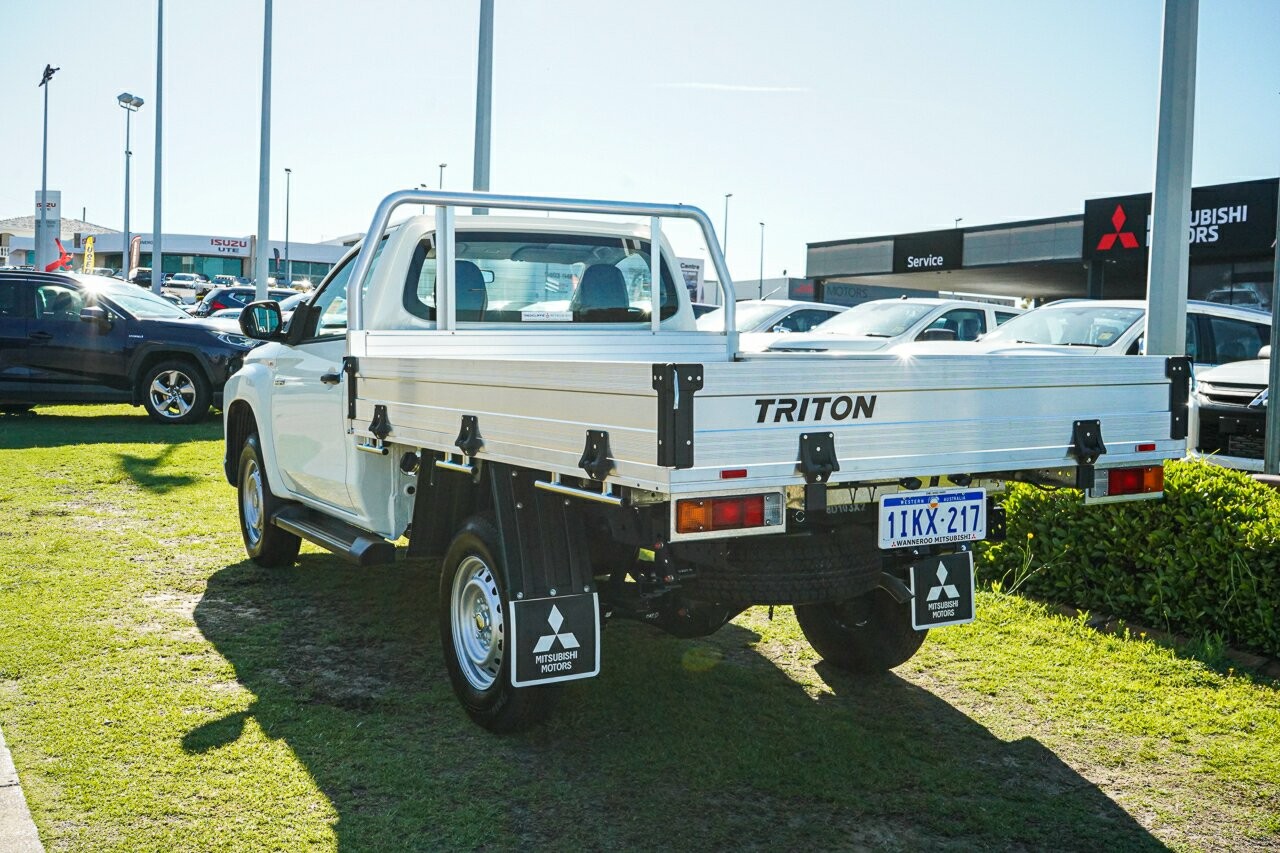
[1074, 324]
[747, 317]
[878, 319]
[142, 304]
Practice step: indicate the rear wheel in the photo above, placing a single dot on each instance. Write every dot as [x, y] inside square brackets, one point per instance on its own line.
[474, 636]
[266, 544]
[176, 392]
[868, 634]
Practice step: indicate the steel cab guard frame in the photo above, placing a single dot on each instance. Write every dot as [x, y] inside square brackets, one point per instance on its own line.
[445, 204]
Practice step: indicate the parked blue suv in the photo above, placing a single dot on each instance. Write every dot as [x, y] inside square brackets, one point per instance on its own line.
[67, 338]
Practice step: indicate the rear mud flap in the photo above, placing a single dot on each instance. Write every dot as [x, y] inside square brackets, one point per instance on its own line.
[556, 639]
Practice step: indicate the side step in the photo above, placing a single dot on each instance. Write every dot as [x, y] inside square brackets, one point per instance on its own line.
[347, 541]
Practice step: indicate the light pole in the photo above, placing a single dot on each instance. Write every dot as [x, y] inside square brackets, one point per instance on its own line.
[724, 233]
[441, 182]
[424, 187]
[41, 260]
[130, 104]
[157, 251]
[959, 219]
[762, 260]
[288, 267]
[484, 103]
[264, 164]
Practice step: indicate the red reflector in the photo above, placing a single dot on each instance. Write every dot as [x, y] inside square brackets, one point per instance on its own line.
[733, 473]
[1145, 448]
[727, 513]
[1124, 481]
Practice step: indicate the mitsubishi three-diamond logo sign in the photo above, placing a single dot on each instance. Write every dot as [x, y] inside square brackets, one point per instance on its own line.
[1127, 238]
[942, 590]
[556, 639]
[545, 642]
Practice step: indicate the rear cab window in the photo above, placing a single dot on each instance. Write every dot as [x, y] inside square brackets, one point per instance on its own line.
[528, 278]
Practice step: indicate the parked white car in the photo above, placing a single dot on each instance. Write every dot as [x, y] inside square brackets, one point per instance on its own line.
[187, 286]
[883, 323]
[1216, 334]
[1229, 413]
[761, 321]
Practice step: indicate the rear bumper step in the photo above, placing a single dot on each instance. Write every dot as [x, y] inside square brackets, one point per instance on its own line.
[347, 541]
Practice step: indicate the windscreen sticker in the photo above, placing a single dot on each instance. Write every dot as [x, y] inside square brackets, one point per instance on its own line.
[546, 316]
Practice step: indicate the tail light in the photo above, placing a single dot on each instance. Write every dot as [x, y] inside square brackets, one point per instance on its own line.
[1118, 482]
[216, 306]
[737, 512]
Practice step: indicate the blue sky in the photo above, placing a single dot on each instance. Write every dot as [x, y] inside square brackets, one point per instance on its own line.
[824, 119]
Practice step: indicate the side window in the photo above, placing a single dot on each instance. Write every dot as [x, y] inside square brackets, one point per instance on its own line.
[1236, 340]
[1003, 317]
[11, 300]
[966, 323]
[58, 302]
[803, 320]
[331, 303]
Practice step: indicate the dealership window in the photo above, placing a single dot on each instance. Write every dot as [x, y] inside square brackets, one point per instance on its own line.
[1244, 283]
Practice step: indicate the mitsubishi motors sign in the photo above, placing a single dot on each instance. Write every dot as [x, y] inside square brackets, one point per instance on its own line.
[1226, 220]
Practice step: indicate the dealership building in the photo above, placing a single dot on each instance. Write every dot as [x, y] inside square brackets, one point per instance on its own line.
[209, 254]
[1100, 253]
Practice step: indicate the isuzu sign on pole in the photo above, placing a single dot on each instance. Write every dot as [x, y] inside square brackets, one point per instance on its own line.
[88, 255]
[45, 247]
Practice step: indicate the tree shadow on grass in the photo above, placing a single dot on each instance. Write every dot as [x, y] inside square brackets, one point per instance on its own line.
[677, 745]
[58, 426]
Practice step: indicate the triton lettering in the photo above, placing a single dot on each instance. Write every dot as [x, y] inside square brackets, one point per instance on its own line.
[801, 409]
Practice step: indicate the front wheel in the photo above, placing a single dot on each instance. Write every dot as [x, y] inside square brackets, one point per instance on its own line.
[474, 636]
[176, 392]
[868, 634]
[266, 544]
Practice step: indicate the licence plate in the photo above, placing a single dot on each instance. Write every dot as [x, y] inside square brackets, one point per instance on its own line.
[932, 517]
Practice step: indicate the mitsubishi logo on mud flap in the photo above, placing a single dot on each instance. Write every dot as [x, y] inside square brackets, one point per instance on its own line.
[570, 649]
[567, 639]
[943, 587]
[942, 591]
[1126, 238]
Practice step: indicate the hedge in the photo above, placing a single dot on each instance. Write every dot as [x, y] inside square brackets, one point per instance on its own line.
[1203, 561]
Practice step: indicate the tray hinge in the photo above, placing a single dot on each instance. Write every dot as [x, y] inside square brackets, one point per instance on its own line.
[817, 462]
[469, 440]
[1086, 447]
[676, 385]
[596, 458]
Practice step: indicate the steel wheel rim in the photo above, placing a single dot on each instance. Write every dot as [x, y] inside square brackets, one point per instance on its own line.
[479, 630]
[251, 501]
[172, 393]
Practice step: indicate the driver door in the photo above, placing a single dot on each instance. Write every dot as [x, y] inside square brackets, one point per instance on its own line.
[311, 410]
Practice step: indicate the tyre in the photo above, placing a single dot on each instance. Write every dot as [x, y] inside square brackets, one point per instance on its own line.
[868, 634]
[175, 392]
[474, 637]
[266, 544]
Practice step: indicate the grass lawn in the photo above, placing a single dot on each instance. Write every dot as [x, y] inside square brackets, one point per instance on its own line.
[158, 692]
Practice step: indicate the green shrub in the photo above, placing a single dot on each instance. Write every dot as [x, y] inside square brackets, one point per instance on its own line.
[1205, 559]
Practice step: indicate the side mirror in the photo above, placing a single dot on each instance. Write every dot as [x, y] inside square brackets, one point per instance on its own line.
[95, 314]
[261, 320]
[937, 335]
[1265, 352]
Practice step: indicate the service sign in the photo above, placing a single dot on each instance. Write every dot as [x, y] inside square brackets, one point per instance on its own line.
[933, 251]
[556, 639]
